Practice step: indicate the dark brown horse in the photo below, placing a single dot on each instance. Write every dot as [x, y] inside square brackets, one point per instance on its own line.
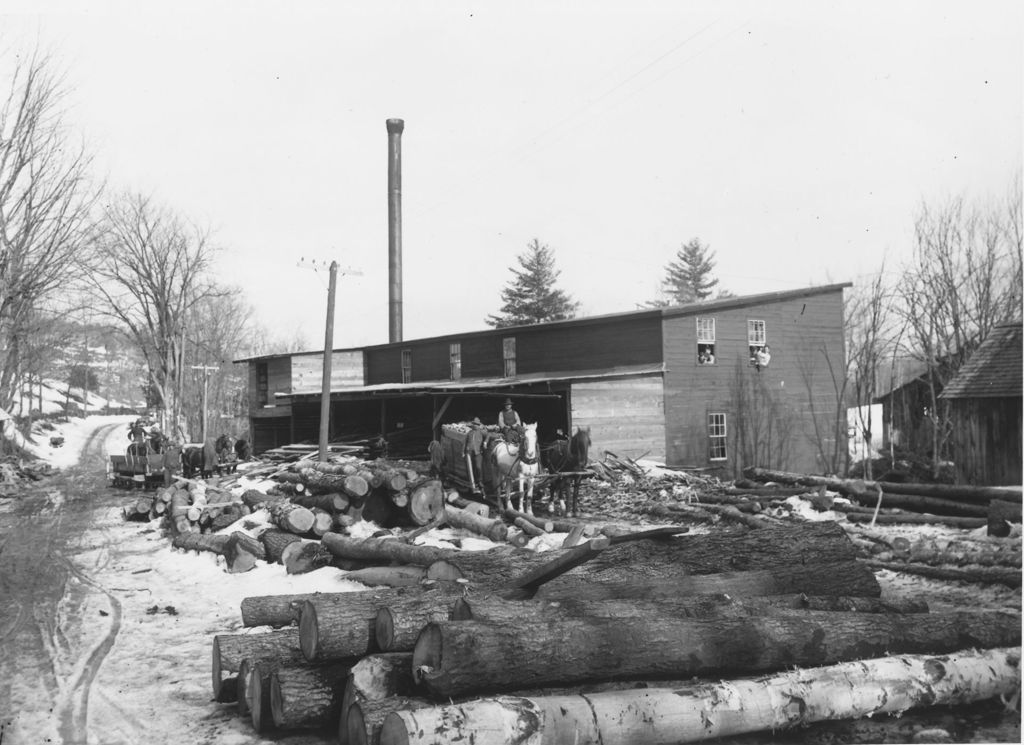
[569, 457]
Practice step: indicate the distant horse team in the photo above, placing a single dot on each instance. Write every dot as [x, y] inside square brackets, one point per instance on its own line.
[214, 455]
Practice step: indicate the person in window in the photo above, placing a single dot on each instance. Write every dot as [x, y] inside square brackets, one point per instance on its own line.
[707, 357]
[509, 423]
[762, 357]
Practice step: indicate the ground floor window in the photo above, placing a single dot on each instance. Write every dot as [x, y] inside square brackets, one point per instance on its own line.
[716, 436]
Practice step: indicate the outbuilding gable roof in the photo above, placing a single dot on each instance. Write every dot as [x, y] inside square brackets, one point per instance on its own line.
[995, 370]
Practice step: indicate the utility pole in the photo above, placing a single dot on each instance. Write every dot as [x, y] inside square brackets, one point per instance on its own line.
[206, 370]
[325, 384]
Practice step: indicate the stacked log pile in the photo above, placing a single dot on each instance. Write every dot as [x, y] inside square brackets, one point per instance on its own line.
[602, 642]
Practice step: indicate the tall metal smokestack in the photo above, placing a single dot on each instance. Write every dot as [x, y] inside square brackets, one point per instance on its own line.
[395, 127]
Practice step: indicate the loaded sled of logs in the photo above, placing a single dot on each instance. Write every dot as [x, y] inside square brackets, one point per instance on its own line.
[651, 637]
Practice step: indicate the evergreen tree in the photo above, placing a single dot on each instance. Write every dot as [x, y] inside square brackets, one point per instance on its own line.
[531, 297]
[688, 278]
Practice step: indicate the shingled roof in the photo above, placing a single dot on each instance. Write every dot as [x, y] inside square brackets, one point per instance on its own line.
[994, 370]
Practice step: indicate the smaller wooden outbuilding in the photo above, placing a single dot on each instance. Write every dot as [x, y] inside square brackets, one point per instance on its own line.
[985, 398]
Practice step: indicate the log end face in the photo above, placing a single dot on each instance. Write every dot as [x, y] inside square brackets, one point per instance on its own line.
[355, 727]
[461, 610]
[394, 731]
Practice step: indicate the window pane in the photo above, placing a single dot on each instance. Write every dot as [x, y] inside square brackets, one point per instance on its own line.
[705, 330]
[755, 333]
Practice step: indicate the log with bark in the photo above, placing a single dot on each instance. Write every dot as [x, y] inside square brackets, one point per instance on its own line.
[862, 488]
[200, 542]
[336, 626]
[363, 721]
[383, 550]
[275, 542]
[785, 700]
[332, 502]
[958, 551]
[272, 610]
[318, 482]
[499, 610]
[727, 550]
[376, 677]
[291, 517]
[457, 657]
[919, 519]
[396, 627]
[230, 649]
[494, 530]
[304, 556]
[841, 578]
[979, 574]
[307, 697]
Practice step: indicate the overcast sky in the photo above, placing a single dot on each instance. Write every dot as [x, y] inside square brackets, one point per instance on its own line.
[797, 139]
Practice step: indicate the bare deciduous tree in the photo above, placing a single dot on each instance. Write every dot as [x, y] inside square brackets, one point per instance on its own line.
[46, 200]
[963, 280]
[152, 272]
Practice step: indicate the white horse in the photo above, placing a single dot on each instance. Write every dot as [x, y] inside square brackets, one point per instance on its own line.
[520, 463]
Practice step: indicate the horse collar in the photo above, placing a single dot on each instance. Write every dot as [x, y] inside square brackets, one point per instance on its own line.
[528, 460]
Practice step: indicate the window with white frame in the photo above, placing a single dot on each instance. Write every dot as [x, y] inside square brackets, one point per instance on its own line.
[455, 360]
[757, 340]
[716, 436]
[508, 353]
[705, 340]
[406, 365]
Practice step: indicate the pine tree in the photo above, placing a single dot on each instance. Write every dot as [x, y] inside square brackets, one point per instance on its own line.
[531, 297]
[688, 278]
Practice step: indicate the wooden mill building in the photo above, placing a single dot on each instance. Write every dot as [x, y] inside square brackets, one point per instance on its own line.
[985, 399]
[686, 385]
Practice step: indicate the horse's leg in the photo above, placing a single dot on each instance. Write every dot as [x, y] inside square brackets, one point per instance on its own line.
[576, 496]
[527, 493]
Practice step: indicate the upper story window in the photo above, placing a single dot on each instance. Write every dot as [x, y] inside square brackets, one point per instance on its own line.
[262, 384]
[716, 437]
[705, 340]
[757, 340]
[455, 360]
[508, 354]
[406, 365]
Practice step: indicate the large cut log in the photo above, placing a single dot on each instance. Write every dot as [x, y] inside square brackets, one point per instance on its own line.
[783, 545]
[950, 551]
[363, 721]
[384, 550]
[1001, 514]
[494, 530]
[292, 517]
[858, 487]
[241, 551]
[230, 649]
[375, 678]
[338, 626]
[982, 575]
[304, 556]
[200, 542]
[397, 626]
[696, 713]
[307, 697]
[426, 501]
[318, 482]
[498, 610]
[272, 610]
[331, 502]
[457, 657]
[915, 519]
[844, 578]
[275, 542]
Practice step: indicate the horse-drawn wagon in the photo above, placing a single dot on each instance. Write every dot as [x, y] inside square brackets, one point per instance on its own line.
[141, 469]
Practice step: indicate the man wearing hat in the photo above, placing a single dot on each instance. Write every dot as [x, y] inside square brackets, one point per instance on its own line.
[509, 423]
[472, 451]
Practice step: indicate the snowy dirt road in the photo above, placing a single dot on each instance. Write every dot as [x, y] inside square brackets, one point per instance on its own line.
[105, 632]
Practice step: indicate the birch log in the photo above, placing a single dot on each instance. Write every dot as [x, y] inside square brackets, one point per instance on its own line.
[664, 716]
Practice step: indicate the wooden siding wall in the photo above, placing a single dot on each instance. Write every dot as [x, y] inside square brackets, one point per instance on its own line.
[279, 380]
[308, 371]
[611, 343]
[625, 415]
[270, 432]
[987, 441]
[782, 410]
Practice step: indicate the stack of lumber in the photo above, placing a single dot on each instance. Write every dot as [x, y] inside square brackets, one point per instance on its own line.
[608, 641]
